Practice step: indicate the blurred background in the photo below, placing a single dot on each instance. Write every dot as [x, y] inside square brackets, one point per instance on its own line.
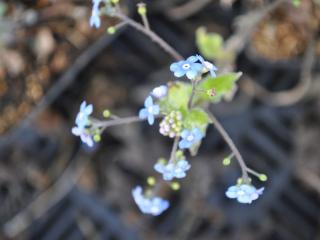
[53, 187]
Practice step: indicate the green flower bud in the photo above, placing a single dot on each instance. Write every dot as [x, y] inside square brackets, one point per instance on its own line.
[226, 161]
[151, 181]
[97, 138]
[111, 30]
[142, 10]
[106, 113]
[175, 186]
[263, 177]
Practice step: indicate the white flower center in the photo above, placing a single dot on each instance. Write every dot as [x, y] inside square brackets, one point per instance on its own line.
[150, 109]
[186, 66]
[241, 193]
[190, 138]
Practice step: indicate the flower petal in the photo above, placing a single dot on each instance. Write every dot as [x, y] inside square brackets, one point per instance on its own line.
[150, 119]
[143, 113]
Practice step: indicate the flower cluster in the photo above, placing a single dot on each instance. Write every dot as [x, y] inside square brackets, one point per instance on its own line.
[83, 122]
[244, 193]
[171, 125]
[174, 169]
[192, 68]
[149, 205]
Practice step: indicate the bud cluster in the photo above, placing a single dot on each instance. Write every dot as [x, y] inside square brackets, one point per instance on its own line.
[171, 125]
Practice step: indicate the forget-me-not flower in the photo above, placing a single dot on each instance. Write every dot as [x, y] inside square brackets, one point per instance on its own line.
[84, 135]
[83, 115]
[160, 92]
[149, 111]
[189, 138]
[208, 66]
[153, 205]
[188, 67]
[244, 193]
[95, 14]
[172, 170]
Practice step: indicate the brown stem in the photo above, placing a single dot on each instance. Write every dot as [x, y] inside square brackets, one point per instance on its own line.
[231, 144]
[152, 35]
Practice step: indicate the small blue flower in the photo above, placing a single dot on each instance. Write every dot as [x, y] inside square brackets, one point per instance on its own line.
[153, 205]
[189, 138]
[95, 14]
[84, 135]
[83, 115]
[208, 66]
[172, 170]
[188, 67]
[149, 111]
[160, 92]
[244, 193]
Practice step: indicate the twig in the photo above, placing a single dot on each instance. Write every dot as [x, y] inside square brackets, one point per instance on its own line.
[152, 35]
[117, 121]
[192, 94]
[188, 9]
[174, 149]
[231, 144]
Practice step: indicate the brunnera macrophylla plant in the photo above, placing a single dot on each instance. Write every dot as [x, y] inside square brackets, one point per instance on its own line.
[180, 109]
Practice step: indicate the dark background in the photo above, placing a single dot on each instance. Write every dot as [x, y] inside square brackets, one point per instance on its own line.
[53, 187]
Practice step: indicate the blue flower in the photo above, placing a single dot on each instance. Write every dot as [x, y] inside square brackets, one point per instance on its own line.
[172, 170]
[208, 66]
[149, 111]
[95, 14]
[244, 193]
[84, 135]
[188, 67]
[160, 92]
[189, 138]
[153, 205]
[83, 115]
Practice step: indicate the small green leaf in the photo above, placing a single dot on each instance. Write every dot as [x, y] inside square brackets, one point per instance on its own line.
[196, 118]
[177, 98]
[221, 85]
[210, 45]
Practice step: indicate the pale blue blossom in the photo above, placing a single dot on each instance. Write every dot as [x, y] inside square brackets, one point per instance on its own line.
[149, 111]
[188, 67]
[84, 135]
[160, 92]
[244, 193]
[149, 205]
[82, 118]
[172, 170]
[208, 66]
[95, 14]
[189, 138]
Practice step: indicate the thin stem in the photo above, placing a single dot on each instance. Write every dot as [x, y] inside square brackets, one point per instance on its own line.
[192, 94]
[145, 22]
[152, 35]
[253, 172]
[231, 144]
[114, 122]
[174, 149]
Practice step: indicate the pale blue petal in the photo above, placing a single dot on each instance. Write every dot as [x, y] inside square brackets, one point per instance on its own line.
[150, 119]
[143, 113]
[244, 199]
[148, 102]
[159, 167]
[197, 67]
[184, 144]
[76, 131]
[191, 74]
[192, 59]
[179, 73]
[156, 109]
[185, 133]
[88, 110]
[175, 66]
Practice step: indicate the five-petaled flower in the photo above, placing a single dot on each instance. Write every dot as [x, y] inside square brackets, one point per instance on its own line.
[160, 92]
[172, 170]
[83, 115]
[149, 111]
[95, 14]
[208, 66]
[188, 67]
[189, 138]
[244, 193]
[149, 205]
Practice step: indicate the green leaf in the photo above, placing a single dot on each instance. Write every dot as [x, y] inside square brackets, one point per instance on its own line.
[221, 85]
[210, 45]
[177, 98]
[196, 118]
